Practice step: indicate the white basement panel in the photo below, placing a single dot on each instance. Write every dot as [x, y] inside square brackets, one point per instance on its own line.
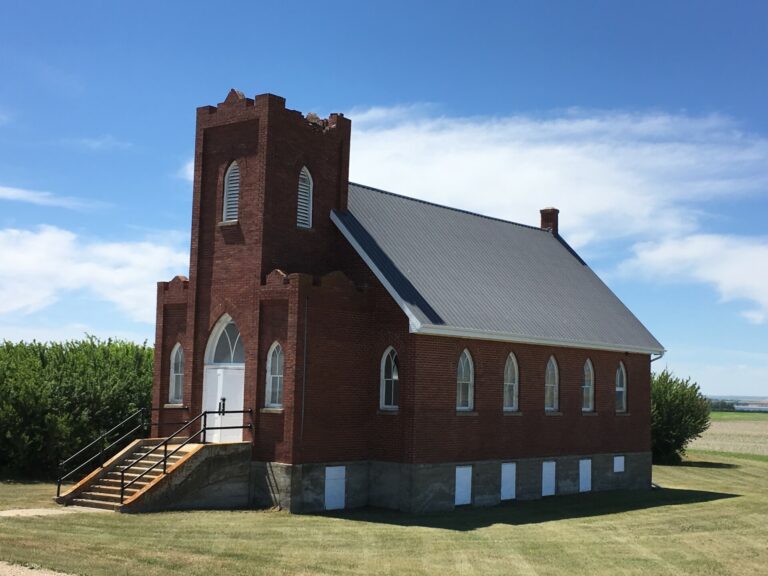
[508, 480]
[463, 485]
[335, 487]
[585, 475]
[547, 478]
[618, 463]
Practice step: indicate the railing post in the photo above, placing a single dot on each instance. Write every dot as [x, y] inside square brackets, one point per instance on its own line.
[165, 455]
[122, 485]
[58, 482]
[205, 424]
[101, 452]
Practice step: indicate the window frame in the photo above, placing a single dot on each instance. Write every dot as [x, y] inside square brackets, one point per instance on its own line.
[621, 370]
[217, 332]
[470, 383]
[590, 387]
[269, 384]
[395, 380]
[556, 386]
[515, 407]
[172, 398]
[310, 199]
[228, 191]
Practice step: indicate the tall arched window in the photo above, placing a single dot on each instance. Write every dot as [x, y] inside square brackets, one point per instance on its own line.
[465, 383]
[229, 347]
[274, 393]
[176, 387]
[551, 386]
[621, 388]
[510, 384]
[304, 207]
[231, 193]
[390, 380]
[588, 388]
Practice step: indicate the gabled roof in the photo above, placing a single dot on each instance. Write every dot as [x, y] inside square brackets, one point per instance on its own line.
[456, 273]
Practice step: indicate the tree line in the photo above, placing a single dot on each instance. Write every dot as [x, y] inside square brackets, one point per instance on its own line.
[55, 398]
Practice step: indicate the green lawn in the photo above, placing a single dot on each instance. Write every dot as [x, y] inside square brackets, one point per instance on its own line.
[739, 416]
[711, 517]
[17, 494]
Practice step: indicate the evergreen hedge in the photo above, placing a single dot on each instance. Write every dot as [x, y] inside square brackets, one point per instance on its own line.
[56, 398]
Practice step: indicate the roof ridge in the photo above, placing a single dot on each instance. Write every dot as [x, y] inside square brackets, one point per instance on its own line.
[436, 205]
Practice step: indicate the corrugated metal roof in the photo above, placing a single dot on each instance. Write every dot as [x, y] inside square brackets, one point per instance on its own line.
[462, 274]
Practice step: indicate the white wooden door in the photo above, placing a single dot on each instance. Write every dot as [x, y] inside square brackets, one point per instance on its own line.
[508, 480]
[227, 383]
[585, 475]
[335, 487]
[548, 478]
[463, 485]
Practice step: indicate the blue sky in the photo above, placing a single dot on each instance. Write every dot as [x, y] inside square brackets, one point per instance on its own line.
[644, 122]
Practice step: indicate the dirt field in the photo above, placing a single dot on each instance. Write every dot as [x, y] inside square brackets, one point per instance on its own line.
[747, 434]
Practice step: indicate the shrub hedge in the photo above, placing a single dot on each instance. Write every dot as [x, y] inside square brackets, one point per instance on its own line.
[56, 398]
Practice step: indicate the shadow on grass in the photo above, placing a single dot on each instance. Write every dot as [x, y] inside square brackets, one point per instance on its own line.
[703, 464]
[538, 511]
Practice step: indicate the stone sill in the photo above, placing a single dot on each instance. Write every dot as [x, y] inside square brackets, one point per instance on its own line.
[174, 406]
[227, 223]
[272, 410]
[553, 413]
[591, 413]
[465, 413]
[512, 413]
[385, 412]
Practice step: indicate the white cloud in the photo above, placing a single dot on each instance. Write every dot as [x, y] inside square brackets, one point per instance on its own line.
[38, 198]
[187, 171]
[737, 267]
[38, 266]
[612, 175]
[645, 178]
[100, 143]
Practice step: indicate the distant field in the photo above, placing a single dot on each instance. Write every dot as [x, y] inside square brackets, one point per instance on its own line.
[739, 416]
[743, 432]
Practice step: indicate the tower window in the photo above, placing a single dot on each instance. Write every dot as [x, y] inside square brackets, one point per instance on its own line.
[231, 193]
[304, 207]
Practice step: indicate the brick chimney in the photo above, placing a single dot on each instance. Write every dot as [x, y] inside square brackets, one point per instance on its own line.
[549, 219]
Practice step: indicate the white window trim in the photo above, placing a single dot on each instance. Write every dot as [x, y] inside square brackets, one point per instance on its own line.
[172, 381]
[591, 387]
[310, 199]
[268, 387]
[556, 396]
[516, 385]
[471, 384]
[623, 371]
[228, 192]
[382, 382]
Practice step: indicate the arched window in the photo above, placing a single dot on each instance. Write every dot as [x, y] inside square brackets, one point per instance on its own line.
[274, 395]
[389, 387]
[465, 383]
[551, 386]
[621, 388]
[229, 347]
[304, 208]
[231, 193]
[510, 384]
[588, 388]
[176, 387]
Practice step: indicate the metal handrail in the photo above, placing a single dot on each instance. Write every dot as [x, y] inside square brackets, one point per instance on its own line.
[138, 413]
[166, 441]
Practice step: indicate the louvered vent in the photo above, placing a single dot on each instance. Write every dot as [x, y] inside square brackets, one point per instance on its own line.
[231, 192]
[304, 209]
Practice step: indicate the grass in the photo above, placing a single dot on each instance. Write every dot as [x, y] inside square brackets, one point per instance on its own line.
[20, 494]
[711, 517]
[739, 416]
